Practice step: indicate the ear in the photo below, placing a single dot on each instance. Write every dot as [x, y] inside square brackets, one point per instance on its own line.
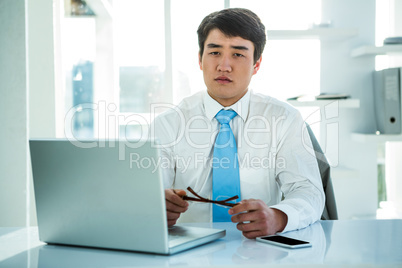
[257, 65]
[200, 61]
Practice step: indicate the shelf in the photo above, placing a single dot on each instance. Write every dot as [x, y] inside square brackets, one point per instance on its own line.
[374, 138]
[373, 50]
[344, 103]
[319, 33]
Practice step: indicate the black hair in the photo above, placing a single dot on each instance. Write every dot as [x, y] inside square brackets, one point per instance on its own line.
[234, 22]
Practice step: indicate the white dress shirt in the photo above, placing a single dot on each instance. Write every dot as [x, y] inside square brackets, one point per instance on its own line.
[275, 155]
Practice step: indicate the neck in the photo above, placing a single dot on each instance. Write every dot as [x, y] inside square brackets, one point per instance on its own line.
[226, 102]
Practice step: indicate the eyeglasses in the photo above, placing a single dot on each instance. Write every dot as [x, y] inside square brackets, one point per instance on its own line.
[205, 200]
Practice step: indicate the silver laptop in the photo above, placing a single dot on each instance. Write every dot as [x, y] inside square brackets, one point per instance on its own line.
[106, 194]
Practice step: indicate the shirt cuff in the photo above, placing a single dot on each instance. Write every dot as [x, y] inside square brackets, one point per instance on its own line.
[293, 216]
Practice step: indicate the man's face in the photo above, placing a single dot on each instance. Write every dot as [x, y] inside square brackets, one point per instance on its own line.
[228, 65]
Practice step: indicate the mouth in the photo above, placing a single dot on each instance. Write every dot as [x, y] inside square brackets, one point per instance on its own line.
[223, 80]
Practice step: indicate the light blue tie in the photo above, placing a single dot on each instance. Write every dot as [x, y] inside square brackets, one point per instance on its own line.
[225, 168]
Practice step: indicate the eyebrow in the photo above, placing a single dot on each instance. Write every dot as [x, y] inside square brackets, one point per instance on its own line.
[212, 45]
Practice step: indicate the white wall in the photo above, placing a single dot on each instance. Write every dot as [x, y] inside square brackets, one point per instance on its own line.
[13, 114]
[27, 100]
[356, 195]
[41, 78]
[41, 81]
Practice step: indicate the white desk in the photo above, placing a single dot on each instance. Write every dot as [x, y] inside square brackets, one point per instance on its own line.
[335, 243]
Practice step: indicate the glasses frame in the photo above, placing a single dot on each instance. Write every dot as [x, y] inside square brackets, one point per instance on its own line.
[206, 200]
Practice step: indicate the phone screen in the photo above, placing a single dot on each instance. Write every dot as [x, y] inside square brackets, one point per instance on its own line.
[284, 240]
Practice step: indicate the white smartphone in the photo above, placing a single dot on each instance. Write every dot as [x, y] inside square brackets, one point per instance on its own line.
[283, 241]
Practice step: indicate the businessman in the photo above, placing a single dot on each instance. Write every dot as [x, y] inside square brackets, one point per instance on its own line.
[227, 141]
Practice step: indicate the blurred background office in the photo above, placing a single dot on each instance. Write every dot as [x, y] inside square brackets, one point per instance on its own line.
[92, 69]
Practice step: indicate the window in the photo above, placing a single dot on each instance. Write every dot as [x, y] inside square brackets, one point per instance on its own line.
[140, 53]
[285, 59]
[185, 17]
[78, 54]
[151, 56]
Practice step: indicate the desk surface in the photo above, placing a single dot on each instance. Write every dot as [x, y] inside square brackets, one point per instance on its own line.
[335, 243]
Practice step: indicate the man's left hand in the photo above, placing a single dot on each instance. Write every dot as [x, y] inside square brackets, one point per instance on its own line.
[254, 218]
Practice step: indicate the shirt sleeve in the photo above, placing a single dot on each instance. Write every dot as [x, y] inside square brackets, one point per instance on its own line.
[162, 131]
[299, 177]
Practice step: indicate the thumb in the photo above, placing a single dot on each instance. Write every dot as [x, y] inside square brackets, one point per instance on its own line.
[180, 192]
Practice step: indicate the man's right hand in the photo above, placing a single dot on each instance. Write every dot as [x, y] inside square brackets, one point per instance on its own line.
[175, 205]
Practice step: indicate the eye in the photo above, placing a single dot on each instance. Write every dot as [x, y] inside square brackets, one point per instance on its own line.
[238, 55]
[214, 53]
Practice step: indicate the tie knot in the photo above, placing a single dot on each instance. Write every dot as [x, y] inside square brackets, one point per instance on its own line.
[224, 116]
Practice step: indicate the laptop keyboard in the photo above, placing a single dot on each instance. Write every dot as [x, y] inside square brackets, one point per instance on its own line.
[173, 237]
[178, 235]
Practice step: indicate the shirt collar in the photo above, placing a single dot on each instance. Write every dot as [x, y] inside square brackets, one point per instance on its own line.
[241, 107]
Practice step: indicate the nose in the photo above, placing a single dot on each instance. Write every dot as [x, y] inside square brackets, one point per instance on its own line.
[224, 64]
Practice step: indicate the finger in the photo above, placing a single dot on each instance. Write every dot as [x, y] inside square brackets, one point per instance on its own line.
[179, 192]
[251, 216]
[255, 234]
[254, 229]
[243, 206]
[171, 196]
[172, 215]
[175, 208]
[251, 227]
[171, 222]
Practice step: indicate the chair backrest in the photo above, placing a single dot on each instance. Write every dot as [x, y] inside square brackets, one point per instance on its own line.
[330, 211]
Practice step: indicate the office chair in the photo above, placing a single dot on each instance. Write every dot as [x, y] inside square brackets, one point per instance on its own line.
[330, 211]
